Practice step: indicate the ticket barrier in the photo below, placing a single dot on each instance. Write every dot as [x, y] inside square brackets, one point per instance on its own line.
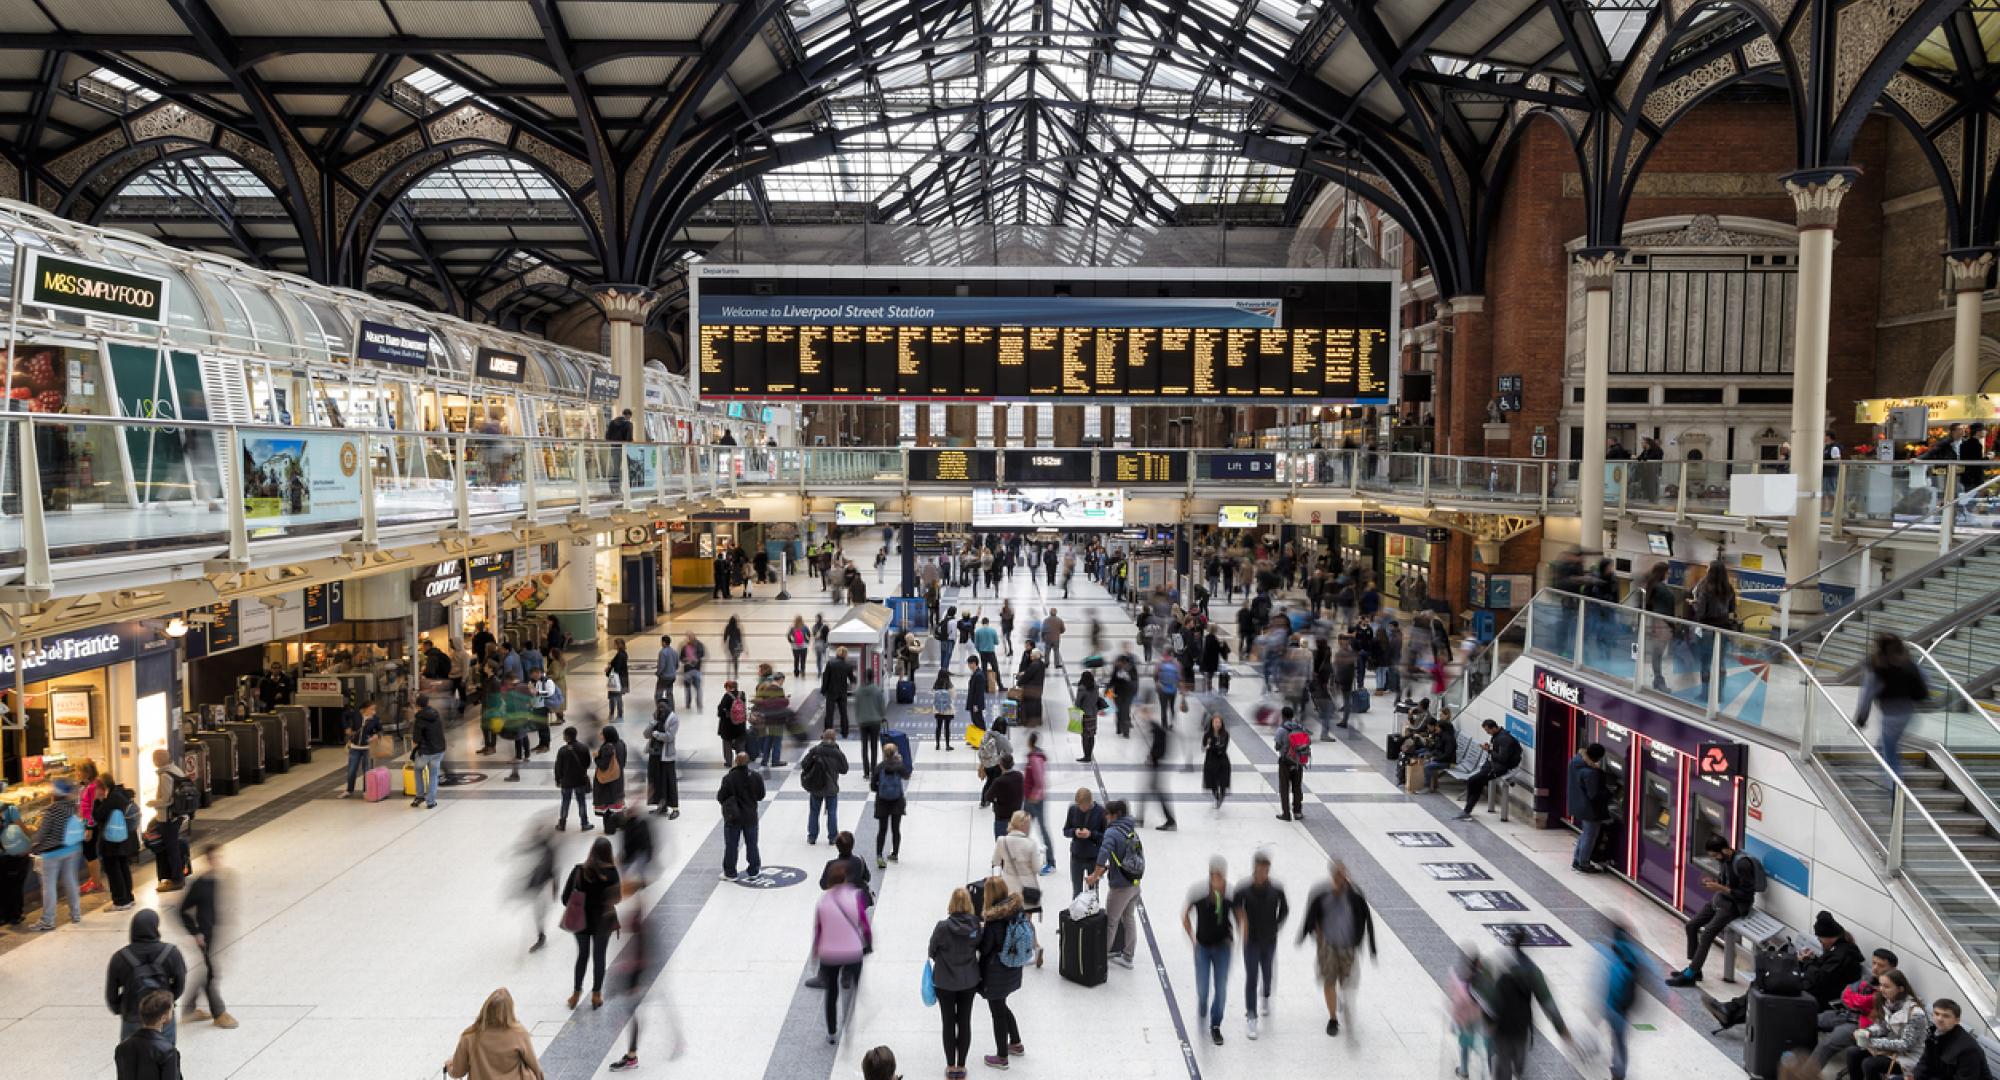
[249, 750]
[220, 748]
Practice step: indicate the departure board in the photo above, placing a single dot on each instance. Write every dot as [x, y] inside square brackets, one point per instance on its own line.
[1026, 349]
[1126, 467]
[953, 466]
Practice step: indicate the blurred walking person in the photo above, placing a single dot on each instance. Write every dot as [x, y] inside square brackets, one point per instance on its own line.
[1208, 918]
[1261, 910]
[588, 898]
[841, 937]
[1338, 920]
[1517, 986]
[201, 913]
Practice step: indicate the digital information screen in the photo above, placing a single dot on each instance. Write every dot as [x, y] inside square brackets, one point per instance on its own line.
[1124, 467]
[1048, 466]
[1019, 348]
[953, 466]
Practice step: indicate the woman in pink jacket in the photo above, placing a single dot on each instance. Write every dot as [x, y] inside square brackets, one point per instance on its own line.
[841, 937]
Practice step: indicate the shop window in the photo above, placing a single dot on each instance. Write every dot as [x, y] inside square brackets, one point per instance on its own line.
[1017, 424]
[1121, 424]
[1656, 811]
[935, 416]
[906, 424]
[1093, 423]
[983, 423]
[1045, 425]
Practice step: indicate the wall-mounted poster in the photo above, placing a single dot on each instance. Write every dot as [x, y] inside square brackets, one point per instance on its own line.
[70, 714]
[300, 480]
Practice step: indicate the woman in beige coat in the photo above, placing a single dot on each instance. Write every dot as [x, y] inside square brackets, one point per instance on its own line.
[496, 1046]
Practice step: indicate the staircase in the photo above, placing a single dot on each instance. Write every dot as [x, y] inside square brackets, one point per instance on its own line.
[1958, 596]
[1928, 857]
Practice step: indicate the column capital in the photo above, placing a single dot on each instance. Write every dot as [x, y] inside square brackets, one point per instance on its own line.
[1598, 265]
[1968, 268]
[626, 303]
[1465, 305]
[1816, 194]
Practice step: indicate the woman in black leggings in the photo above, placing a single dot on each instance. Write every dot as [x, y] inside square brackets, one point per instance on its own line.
[998, 978]
[595, 880]
[954, 955]
[892, 779]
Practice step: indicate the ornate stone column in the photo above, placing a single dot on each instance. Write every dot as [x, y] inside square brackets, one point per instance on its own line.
[1816, 196]
[1596, 266]
[1968, 289]
[627, 307]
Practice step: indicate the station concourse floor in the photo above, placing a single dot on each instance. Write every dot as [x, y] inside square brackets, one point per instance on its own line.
[362, 938]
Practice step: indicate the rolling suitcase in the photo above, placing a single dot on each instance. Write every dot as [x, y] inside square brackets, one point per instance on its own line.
[1777, 1023]
[1393, 743]
[375, 784]
[1357, 701]
[1084, 958]
[412, 781]
[906, 691]
[1222, 681]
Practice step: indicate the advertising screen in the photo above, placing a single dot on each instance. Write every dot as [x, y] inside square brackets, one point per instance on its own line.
[854, 513]
[1036, 507]
[1660, 543]
[1238, 516]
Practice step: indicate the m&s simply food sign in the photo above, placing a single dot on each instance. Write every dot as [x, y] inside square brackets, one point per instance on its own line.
[53, 281]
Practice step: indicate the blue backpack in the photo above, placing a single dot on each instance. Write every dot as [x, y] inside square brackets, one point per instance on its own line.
[73, 831]
[1018, 951]
[889, 786]
[118, 829]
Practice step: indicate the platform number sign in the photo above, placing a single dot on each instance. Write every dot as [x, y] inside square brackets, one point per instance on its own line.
[1720, 760]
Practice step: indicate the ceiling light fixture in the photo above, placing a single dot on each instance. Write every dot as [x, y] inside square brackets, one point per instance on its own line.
[1307, 11]
[798, 9]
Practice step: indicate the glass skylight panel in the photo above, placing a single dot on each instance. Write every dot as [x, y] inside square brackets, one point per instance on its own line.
[438, 88]
[119, 82]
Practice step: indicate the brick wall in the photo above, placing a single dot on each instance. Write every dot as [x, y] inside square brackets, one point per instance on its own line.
[1724, 158]
[1915, 325]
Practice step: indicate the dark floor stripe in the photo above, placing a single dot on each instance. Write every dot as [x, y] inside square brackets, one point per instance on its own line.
[1433, 949]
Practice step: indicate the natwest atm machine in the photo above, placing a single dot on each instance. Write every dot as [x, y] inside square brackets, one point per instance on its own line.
[1673, 785]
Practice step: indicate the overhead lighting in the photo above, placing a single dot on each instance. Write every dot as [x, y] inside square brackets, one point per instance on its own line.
[798, 9]
[177, 627]
[1307, 11]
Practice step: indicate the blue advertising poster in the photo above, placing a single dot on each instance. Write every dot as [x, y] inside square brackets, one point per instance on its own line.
[1521, 730]
[991, 311]
[1780, 865]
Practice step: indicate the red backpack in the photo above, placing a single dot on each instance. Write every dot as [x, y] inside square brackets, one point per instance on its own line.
[1299, 748]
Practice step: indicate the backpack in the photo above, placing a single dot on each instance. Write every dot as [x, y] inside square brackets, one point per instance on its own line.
[186, 798]
[1299, 748]
[146, 978]
[1133, 863]
[1759, 880]
[738, 714]
[73, 831]
[1624, 980]
[888, 785]
[118, 828]
[13, 840]
[1018, 951]
[815, 774]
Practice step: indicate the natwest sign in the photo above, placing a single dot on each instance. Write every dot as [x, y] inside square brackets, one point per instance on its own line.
[440, 581]
[1559, 688]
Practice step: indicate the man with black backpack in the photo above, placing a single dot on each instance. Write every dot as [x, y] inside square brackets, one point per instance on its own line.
[1122, 858]
[1503, 755]
[819, 773]
[1735, 895]
[175, 800]
[739, 795]
[145, 965]
[1294, 746]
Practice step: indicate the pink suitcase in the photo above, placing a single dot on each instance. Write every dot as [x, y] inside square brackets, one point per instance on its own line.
[375, 785]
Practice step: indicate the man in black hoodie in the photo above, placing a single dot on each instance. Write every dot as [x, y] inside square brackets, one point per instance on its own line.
[145, 965]
[427, 754]
[147, 1054]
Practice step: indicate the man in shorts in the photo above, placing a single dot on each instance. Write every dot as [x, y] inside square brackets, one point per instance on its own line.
[1338, 920]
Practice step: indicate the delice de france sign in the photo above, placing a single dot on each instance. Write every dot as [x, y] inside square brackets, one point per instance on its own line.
[53, 281]
[392, 344]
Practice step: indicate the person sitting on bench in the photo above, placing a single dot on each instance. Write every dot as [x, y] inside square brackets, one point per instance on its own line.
[1827, 972]
[1503, 755]
[1735, 896]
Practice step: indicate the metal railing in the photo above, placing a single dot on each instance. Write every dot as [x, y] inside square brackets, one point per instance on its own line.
[76, 487]
[1763, 684]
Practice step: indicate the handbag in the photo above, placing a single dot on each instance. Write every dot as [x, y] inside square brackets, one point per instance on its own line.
[612, 684]
[574, 919]
[927, 988]
[381, 748]
[1087, 903]
[974, 735]
[611, 772]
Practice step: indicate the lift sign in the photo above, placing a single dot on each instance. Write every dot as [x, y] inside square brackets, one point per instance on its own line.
[1720, 760]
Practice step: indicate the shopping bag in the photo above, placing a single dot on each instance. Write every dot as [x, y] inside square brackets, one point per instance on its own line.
[1075, 720]
[974, 735]
[928, 988]
[1086, 903]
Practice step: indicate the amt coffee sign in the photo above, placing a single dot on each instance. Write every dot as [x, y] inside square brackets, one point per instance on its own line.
[440, 581]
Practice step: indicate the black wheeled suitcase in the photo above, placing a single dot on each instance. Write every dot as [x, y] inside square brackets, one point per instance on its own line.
[1084, 957]
[1777, 1023]
[1393, 743]
[906, 691]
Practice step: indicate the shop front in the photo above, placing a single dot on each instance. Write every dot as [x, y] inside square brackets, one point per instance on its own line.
[1673, 785]
[104, 695]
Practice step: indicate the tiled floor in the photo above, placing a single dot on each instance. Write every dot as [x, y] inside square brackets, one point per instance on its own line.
[362, 937]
